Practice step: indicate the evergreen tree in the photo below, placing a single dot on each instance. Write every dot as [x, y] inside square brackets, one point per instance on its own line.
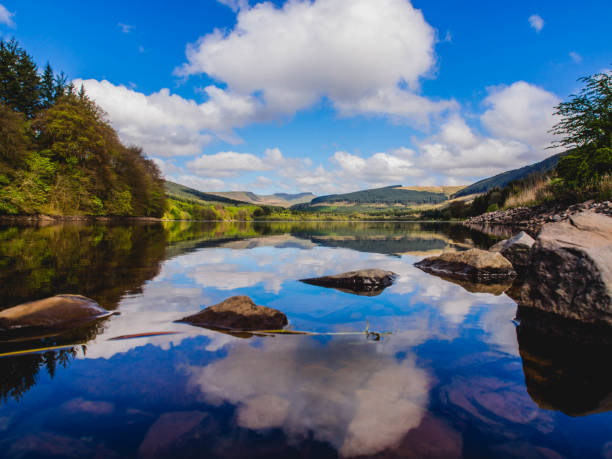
[19, 80]
[48, 88]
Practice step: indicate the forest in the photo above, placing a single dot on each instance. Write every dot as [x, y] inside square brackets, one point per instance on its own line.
[59, 154]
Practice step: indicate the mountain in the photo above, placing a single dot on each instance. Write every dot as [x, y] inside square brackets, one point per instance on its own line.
[501, 180]
[395, 195]
[277, 199]
[175, 190]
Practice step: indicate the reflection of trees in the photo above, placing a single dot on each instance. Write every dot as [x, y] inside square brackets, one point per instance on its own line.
[99, 261]
[566, 363]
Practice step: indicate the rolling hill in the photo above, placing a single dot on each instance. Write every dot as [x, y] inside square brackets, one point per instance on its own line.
[501, 180]
[277, 199]
[391, 196]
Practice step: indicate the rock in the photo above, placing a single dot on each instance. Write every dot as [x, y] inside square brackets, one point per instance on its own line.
[492, 288]
[60, 311]
[565, 362]
[238, 313]
[571, 269]
[475, 265]
[370, 282]
[517, 249]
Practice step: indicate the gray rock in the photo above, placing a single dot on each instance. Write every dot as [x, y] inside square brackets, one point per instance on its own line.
[369, 282]
[571, 269]
[475, 265]
[238, 313]
[60, 311]
[517, 249]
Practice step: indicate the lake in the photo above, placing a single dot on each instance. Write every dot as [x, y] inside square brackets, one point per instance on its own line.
[456, 375]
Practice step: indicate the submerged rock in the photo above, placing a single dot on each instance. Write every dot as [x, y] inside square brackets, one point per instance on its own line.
[474, 265]
[517, 249]
[570, 272]
[370, 282]
[238, 313]
[493, 288]
[60, 311]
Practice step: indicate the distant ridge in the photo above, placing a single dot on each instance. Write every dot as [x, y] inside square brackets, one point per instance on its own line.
[389, 195]
[501, 180]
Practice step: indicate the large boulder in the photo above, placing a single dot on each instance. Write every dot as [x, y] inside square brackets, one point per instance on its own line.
[517, 249]
[570, 273]
[238, 313]
[369, 282]
[474, 265]
[56, 312]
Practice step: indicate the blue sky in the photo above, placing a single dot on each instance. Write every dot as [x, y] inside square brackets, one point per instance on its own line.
[324, 95]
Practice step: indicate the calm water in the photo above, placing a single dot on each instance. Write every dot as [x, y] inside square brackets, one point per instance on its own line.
[455, 378]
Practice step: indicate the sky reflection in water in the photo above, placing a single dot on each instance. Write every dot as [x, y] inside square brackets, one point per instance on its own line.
[448, 382]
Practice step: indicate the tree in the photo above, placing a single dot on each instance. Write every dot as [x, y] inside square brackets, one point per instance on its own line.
[19, 80]
[586, 127]
[48, 88]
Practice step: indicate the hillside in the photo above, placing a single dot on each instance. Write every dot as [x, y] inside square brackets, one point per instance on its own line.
[394, 195]
[501, 180]
[277, 199]
[182, 192]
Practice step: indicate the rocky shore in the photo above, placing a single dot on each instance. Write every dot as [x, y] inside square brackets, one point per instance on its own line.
[506, 223]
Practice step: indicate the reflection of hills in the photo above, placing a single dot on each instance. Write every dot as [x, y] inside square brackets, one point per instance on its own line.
[372, 237]
[566, 364]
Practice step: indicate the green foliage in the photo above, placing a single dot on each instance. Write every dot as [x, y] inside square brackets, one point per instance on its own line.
[59, 155]
[586, 125]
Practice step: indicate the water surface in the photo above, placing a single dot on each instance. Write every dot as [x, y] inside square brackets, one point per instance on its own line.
[454, 378]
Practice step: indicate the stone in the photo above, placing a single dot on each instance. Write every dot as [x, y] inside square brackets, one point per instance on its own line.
[517, 249]
[570, 273]
[60, 311]
[238, 313]
[369, 282]
[475, 265]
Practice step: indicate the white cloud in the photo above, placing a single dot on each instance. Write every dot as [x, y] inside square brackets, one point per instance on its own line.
[125, 28]
[199, 183]
[575, 57]
[380, 169]
[167, 167]
[165, 124]
[357, 54]
[536, 22]
[521, 112]
[227, 164]
[6, 17]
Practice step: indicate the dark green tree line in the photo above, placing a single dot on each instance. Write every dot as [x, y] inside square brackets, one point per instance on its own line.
[58, 153]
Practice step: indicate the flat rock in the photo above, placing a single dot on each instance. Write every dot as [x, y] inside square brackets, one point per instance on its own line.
[60, 311]
[517, 249]
[369, 282]
[238, 313]
[475, 265]
[570, 273]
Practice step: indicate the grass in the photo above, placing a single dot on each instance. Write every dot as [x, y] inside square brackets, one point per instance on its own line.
[536, 192]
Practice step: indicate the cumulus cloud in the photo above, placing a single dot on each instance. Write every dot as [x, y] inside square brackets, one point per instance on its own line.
[379, 169]
[165, 124]
[536, 22]
[521, 112]
[227, 164]
[361, 55]
[6, 17]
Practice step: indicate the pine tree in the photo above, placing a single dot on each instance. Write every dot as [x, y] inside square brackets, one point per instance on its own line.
[48, 88]
[19, 80]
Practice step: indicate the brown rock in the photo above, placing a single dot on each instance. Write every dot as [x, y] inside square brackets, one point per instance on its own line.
[571, 269]
[370, 282]
[517, 249]
[238, 313]
[60, 311]
[475, 265]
